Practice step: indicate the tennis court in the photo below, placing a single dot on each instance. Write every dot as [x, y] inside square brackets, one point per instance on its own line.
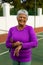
[37, 56]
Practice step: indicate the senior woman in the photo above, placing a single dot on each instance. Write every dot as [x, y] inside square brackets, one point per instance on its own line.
[21, 39]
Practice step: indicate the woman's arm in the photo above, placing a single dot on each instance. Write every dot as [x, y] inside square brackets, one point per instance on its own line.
[33, 40]
[8, 41]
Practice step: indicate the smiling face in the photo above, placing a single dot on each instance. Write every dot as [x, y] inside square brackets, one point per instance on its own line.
[22, 18]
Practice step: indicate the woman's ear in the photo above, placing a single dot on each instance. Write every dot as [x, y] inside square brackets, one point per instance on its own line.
[26, 19]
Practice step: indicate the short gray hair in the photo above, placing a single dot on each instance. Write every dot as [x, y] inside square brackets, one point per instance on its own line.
[22, 11]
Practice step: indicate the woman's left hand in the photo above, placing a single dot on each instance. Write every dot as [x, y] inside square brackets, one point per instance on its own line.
[17, 43]
[16, 52]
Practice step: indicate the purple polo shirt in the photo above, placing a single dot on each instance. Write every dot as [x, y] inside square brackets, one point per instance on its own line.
[29, 40]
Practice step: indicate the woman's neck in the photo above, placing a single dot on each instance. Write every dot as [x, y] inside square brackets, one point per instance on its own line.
[20, 27]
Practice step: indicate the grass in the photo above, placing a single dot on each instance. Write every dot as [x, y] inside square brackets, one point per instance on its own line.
[3, 48]
[5, 59]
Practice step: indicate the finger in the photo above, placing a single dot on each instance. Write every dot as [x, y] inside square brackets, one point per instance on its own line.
[14, 53]
[17, 54]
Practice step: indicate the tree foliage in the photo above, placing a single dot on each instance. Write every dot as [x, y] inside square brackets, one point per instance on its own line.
[29, 4]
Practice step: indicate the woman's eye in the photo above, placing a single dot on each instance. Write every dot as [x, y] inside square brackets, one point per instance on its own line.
[22, 17]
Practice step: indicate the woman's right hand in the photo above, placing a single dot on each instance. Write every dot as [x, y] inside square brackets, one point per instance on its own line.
[16, 52]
